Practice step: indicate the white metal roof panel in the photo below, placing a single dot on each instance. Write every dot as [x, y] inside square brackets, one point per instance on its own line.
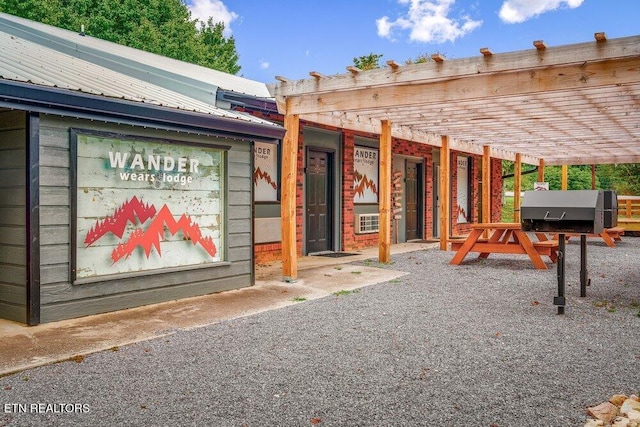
[25, 61]
[145, 59]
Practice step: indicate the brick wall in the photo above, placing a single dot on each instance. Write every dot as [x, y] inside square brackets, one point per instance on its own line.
[476, 193]
[458, 229]
[407, 148]
[496, 190]
[352, 241]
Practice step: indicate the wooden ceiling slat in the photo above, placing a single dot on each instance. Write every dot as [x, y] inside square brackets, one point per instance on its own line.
[500, 62]
[572, 104]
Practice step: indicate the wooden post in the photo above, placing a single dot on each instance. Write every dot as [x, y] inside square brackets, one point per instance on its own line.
[517, 187]
[541, 171]
[384, 194]
[445, 198]
[593, 177]
[486, 184]
[565, 177]
[288, 202]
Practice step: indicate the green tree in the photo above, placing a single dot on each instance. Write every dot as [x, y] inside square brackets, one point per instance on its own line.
[578, 177]
[624, 178]
[420, 59]
[47, 12]
[163, 27]
[217, 51]
[368, 62]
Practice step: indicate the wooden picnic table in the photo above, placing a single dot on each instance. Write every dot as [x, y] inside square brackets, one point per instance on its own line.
[505, 238]
[609, 235]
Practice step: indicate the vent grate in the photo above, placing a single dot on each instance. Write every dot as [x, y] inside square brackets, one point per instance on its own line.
[367, 223]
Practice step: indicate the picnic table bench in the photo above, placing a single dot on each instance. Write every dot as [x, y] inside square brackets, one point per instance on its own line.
[609, 235]
[505, 238]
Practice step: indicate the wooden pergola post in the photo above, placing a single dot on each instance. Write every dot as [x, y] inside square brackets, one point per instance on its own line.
[517, 187]
[541, 171]
[565, 177]
[445, 185]
[384, 193]
[288, 202]
[486, 184]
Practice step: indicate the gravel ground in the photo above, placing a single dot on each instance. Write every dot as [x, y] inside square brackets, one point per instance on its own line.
[478, 344]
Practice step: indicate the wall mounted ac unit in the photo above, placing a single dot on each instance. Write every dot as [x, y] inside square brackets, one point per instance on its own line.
[367, 223]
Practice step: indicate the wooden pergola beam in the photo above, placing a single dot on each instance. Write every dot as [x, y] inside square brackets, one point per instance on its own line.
[353, 122]
[486, 52]
[565, 177]
[571, 104]
[353, 70]
[528, 60]
[539, 44]
[393, 64]
[480, 86]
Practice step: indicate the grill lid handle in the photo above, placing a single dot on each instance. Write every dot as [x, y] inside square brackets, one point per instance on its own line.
[546, 217]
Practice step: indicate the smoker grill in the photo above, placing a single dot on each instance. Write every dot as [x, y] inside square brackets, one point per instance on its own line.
[610, 208]
[578, 211]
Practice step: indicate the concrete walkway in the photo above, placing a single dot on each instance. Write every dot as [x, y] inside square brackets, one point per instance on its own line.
[23, 347]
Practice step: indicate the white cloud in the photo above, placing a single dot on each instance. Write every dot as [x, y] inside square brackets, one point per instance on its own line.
[428, 21]
[216, 9]
[384, 27]
[264, 65]
[515, 11]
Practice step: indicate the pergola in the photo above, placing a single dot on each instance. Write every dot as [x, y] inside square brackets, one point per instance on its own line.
[565, 105]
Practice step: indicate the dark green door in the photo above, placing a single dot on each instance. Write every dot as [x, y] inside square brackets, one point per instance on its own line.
[319, 224]
[413, 200]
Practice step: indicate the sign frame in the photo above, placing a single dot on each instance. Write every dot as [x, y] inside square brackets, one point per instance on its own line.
[186, 224]
[366, 175]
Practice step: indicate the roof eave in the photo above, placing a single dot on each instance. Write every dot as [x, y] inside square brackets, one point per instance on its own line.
[62, 101]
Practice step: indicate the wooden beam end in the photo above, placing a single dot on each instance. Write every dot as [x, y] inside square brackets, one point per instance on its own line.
[539, 44]
[485, 51]
[282, 79]
[315, 74]
[438, 58]
[393, 64]
[600, 37]
[353, 70]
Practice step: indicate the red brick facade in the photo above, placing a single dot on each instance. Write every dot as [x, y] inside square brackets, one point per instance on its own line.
[350, 240]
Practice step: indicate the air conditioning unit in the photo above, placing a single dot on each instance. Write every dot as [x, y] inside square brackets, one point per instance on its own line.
[367, 223]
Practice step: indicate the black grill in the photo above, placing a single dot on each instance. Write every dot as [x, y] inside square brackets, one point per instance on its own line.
[610, 208]
[576, 211]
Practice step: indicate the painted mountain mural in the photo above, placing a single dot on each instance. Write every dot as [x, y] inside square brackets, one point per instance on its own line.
[134, 211]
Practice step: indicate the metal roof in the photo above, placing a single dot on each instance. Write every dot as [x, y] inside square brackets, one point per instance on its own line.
[40, 54]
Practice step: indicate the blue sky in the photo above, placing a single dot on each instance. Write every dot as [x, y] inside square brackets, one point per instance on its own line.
[290, 38]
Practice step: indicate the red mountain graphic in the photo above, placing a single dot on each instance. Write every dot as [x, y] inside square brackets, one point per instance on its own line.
[260, 175]
[462, 212]
[117, 222]
[151, 237]
[364, 183]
